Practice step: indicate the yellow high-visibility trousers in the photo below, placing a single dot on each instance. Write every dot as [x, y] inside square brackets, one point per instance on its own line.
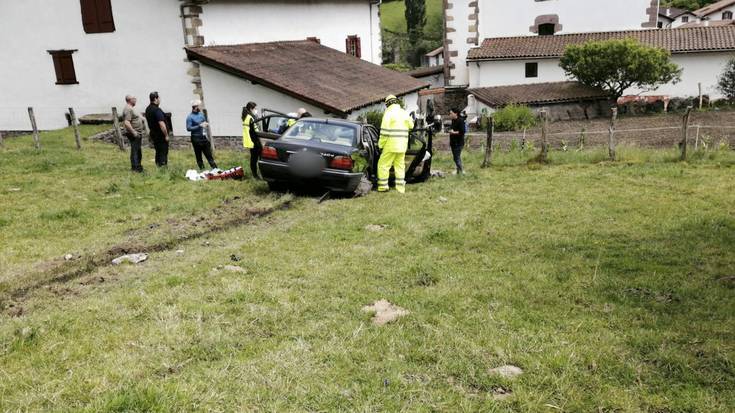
[396, 160]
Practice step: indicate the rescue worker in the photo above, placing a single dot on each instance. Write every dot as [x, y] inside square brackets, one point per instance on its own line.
[393, 144]
[250, 138]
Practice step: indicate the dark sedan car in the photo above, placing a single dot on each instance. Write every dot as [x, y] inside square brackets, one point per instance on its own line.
[338, 155]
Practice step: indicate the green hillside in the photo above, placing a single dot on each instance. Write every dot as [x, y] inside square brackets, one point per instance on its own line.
[392, 14]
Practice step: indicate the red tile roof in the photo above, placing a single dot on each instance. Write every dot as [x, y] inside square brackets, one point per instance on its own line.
[316, 74]
[425, 71]
[688, 40]
[537, 93]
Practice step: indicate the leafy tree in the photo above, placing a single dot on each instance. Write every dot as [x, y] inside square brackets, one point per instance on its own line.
[415, 21]
[617, 65]
[726, 82]
[687, 4]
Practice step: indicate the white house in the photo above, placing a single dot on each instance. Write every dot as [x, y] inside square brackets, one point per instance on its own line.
[468, 22]
[701, 52]
[719, 11]
[672, 17]
[88, 54]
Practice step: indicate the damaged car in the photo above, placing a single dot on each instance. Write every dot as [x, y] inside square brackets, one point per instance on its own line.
[335, 154]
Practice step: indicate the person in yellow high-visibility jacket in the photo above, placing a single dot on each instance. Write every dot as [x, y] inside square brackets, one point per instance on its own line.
[250, 138]
[393, 143]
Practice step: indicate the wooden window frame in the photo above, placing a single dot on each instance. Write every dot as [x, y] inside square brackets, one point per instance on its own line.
[531, 70]
[64, 67]
[97, 16]
[727, 15]
[353, 46]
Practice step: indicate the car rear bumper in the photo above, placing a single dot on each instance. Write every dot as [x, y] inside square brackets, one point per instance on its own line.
[332, 179]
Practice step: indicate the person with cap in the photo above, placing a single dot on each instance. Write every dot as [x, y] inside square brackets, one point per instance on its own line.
[250, 138]
[134, 131]
[393, 143]
[196, 123]
[159, 131]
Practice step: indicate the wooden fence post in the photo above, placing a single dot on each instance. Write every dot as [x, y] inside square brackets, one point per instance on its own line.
[544, 135]
[36, 138]
[523, 139]
[116, 125]
[685, 133]
[700, 95]
[77, 136]
[696, 139]
[611, 135]
[489, 145]
[581, 139]
[209, 130]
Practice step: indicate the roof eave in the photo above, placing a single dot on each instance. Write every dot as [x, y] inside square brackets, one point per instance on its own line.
[490, 59]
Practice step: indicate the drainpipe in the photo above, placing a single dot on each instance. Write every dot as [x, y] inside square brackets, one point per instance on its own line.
[372, 44]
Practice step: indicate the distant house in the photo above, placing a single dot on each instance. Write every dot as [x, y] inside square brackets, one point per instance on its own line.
[434, 57]
[90, 53]
[564, 100]
[433, 75]
[468, 22]
[672, 17]
[715, 14]
[701, 52]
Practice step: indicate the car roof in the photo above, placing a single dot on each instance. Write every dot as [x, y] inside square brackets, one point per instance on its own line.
[333, 121]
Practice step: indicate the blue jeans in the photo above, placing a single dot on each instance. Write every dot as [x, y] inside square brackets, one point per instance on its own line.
[457, 155]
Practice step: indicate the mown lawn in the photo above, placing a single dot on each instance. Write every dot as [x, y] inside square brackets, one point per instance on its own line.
[610, 285]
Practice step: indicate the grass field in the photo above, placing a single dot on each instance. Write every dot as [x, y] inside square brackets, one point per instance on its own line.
[392, 14]
[609, 284]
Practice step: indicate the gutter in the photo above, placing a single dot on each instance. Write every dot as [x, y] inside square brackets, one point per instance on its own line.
[679, 52]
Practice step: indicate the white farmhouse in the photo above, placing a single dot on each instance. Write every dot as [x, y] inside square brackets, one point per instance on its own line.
[672, 17]
[468, 22]
[88, 54]
[701, 52]
[721, 11]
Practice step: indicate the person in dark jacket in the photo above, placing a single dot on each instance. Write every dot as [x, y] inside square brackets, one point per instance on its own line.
[159, 131]
[196, 123]
[456, 138]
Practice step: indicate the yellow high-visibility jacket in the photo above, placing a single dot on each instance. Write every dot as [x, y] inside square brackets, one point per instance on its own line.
[394, 129]
[248, 127]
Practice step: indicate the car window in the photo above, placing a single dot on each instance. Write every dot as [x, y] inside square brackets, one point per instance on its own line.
[344, 135]
[277, 124]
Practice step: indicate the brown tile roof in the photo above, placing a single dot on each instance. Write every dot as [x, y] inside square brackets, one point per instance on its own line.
[537, 93]
[425, 71]
[308, 71]
[696, 39]
[714, 7]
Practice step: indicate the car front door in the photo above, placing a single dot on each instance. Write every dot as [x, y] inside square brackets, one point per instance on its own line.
[272, 127]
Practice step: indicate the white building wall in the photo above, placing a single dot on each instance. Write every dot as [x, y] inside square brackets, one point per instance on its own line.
[717, 16]
[501, 18]
[227, 94]
[228, 22]
[144, 54]
[700, 67]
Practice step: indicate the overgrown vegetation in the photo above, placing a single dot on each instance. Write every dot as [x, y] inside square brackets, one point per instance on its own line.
[726, 82]
[407, 45]
[514, 117]
[609, 284]
[687, 4]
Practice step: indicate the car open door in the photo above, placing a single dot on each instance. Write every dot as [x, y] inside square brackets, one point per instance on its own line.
[419, 154]
[273, 124]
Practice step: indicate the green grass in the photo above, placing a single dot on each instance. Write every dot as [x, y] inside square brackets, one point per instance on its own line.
[392, 14]
[603, 281]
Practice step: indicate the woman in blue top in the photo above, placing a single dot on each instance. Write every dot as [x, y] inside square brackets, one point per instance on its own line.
[196, 123]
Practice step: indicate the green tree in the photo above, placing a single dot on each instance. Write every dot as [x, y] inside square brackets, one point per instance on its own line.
[415, 21]
[617, 65]
[726, 82]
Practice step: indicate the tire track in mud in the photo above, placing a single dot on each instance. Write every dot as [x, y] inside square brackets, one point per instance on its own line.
[221, 219]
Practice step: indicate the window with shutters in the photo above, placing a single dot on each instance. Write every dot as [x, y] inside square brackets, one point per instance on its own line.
[353, 46]
[64, 67]
[97, 16]
[727, 15]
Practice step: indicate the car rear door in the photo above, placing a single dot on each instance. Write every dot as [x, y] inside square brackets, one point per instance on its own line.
[272, 127]
[418, 144]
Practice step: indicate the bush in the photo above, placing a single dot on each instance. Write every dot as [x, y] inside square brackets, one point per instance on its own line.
[373, 117]
[514, 117]
[398, 67]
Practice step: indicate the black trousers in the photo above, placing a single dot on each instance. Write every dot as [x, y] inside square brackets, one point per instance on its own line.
[254, 157]
[161, 146]
[136, 153]
[457, 155]
[203, 148]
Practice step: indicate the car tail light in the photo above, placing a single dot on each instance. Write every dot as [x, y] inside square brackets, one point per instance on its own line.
[341, 162]
[269, 152]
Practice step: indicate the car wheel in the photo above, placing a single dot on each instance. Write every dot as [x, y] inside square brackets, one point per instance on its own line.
[278, 186]
[364, 187]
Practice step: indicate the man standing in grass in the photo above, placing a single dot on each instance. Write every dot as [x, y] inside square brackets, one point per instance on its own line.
[195, 123]
[456, 138]
[134, 130]
[159, 132]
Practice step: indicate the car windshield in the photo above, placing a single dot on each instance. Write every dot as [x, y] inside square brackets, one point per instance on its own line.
[344, 135]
